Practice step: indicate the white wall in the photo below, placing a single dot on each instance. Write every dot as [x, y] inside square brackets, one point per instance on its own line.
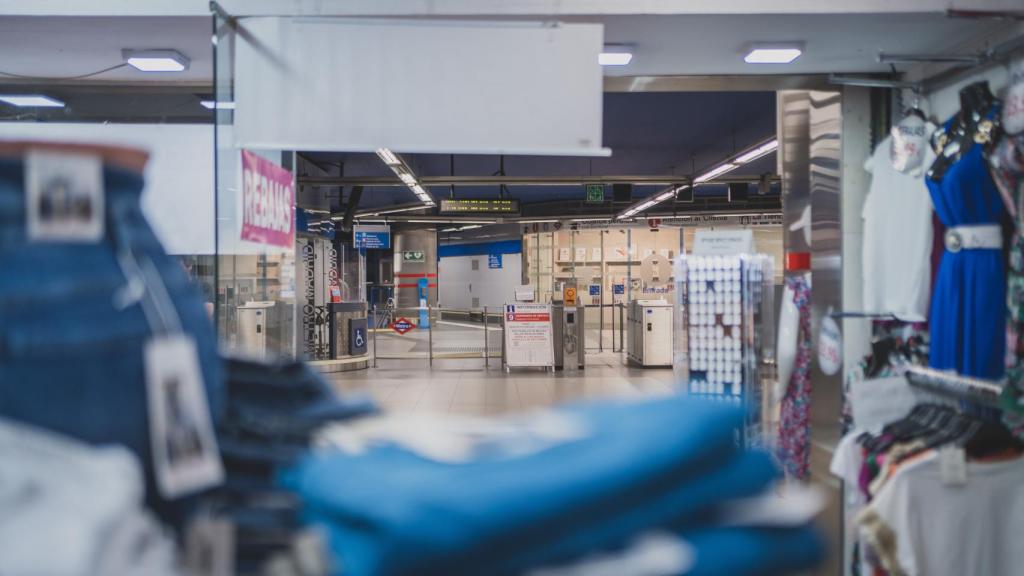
[178, 198]
[459, 283]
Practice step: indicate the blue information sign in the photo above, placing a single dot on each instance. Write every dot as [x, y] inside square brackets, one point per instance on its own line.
[494, 260]
[595, 289]
[374, 237]
[618, 288]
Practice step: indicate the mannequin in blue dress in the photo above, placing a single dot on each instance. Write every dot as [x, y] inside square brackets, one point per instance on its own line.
[968, 305]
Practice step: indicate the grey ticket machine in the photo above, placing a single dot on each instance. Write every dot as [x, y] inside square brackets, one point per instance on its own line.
[568, 337]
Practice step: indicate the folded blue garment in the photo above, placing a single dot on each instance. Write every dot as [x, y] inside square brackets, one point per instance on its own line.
[393, 512]
[755, 551]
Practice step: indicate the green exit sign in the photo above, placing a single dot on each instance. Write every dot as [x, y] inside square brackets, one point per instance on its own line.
[595, 193]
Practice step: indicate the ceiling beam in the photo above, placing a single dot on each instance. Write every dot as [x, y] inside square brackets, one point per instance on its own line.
[664, 179]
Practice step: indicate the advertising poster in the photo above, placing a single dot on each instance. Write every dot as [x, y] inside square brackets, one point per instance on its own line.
[268, 198]
[528, 335]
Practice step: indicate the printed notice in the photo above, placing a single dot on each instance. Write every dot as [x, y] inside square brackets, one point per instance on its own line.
[528, 336]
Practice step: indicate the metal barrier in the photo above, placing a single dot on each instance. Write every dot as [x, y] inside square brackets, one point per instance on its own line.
[616, 309]
[398, 334]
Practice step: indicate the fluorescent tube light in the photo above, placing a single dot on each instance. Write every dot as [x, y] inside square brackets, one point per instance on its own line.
[209, 105]
[758, 152]
[31, 101]
[388, 157]
[156, 60]
[409, 179]
[776, 55]
[614, 58]
[590, 219]
[714, 172]
[665, 195]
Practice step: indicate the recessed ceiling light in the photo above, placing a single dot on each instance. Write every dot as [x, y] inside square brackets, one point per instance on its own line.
[209, 104]
[614, 58]
[31, 101]
[772, 55]
[156, 60]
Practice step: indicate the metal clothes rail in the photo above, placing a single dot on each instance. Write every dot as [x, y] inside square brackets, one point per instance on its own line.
[975, 390]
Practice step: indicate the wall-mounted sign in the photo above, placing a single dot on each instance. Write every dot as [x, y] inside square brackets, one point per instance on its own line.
[723, 242]
[414, 256]
[377, 236]
[402, 325]
[478, 206]
[595, 193]
[569, 295]
[357, 340]
[595, 289]
[494, 260]
[268, 198]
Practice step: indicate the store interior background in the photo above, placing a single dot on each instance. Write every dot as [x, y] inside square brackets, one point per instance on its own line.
[685, 103]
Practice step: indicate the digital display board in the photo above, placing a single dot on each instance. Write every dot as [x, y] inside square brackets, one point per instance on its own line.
[479, 206]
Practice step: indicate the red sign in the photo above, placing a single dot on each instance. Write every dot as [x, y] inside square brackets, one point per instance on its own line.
[402, 325]
[528, 317]
[268, 202]
[653, 222]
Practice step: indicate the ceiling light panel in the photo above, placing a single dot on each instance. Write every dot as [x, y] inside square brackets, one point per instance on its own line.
[762, 150]
[31, 101]
[715, 172]
[388, 157]
[614, 58]
[210, 104]
[772, 55]
[156, 60]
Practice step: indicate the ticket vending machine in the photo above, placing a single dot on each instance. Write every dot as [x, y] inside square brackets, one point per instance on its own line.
[252, 328]
[649, 333]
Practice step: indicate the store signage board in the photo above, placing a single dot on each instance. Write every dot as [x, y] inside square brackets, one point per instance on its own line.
[414, 256]
[595, 193]
[528, 335]
[402, 325]
[373, 236]
[494, 261]
[524, 88]
[268, 201]
[723, 242]
[478, 206]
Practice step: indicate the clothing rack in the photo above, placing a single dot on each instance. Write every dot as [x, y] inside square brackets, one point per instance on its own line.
[872, 315]
[975, 390]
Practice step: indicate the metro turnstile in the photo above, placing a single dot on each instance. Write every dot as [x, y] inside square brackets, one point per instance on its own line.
[559, 317]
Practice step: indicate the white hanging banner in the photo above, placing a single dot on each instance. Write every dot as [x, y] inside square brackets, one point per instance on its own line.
[419, 86]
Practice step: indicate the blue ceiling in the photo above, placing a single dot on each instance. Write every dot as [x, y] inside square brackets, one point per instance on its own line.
[650, 133]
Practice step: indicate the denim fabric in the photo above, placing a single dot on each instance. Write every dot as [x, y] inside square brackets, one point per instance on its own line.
[70, 359]
[391, 512]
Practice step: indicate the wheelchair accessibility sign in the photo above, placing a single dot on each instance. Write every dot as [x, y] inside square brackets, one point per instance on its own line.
[357, 338]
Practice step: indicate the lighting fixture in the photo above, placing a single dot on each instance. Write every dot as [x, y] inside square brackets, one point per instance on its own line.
[715, 172]
[405, 174]
[590, 219]
[731, 163]
[388, 157]
[451, 221]
[757, 152]
[156, 60]
[31, 101]
[614, 58]
[536, 221]
[772, 55]
[210, 104]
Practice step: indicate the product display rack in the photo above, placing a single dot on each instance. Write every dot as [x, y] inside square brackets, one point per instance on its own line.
[724, 332]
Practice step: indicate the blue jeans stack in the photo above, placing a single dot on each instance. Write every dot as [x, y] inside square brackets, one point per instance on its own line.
[71, 333]
[658, 465]
[272, 412]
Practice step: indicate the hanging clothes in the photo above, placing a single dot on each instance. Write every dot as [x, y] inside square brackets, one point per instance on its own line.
[968, 311]
[794, 438]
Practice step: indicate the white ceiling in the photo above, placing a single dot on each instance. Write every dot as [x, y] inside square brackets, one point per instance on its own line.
[663, 45]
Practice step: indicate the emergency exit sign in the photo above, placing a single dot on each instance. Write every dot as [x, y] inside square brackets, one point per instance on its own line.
[595, 193]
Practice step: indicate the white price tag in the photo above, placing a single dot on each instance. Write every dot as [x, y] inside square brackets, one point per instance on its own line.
[63, 197]
[185, 454]
[210, 547]
[953, 465]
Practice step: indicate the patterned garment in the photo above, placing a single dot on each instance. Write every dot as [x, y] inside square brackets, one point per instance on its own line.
[794, 439]
[1007, 167]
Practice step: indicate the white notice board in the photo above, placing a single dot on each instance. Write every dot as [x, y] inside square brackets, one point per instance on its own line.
[528, 336]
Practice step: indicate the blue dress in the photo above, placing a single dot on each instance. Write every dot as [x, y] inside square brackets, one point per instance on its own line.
[968, 312]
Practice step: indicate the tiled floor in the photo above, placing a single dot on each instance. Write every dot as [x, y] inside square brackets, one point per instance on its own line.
[464, 386]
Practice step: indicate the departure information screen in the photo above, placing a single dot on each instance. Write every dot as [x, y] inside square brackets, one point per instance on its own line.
[479, 206]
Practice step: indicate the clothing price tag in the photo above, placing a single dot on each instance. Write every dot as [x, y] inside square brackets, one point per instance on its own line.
[953, 465]
[185, 454]
[63, 197]
[210, 547]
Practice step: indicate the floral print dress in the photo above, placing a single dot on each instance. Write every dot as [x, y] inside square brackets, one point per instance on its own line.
[794, 438]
